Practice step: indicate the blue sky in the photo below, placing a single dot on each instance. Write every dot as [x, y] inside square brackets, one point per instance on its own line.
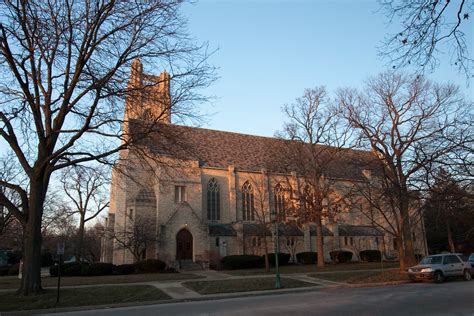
[270, 51]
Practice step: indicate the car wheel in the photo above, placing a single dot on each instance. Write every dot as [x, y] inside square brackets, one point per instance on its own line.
[438, 277]
[467, 275]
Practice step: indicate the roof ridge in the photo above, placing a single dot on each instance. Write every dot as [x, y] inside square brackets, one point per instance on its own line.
[258, 136]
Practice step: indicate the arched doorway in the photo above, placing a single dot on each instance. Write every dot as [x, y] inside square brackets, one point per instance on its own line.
[184, 245]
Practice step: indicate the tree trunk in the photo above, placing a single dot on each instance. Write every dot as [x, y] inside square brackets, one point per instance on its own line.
[405, 225]
[32, 239]
[401, 255]
[265, 245]
[450, 237]
[80, 238]
[319, 243]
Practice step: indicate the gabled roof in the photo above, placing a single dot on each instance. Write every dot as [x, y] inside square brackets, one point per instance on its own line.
[218, 149]
[354, 230]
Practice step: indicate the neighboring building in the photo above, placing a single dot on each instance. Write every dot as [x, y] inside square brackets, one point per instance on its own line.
[198, 202]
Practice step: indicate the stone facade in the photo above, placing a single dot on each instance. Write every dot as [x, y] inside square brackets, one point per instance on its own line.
[173, 194]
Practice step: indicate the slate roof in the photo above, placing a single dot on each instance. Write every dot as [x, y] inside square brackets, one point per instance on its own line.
[255, 230]
[218, 149]
[283, 230]
[354, 230]
[216, 230]
[252, 229]
[289, 230]
[326, 231]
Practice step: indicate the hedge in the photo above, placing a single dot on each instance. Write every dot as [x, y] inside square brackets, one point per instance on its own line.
[68, 269]
[102, 268]
[150, 266]
[307, 257]
[283, 258]
[4, 271]
[242, 262]
[73, 269]
[124, 269]
[341, 256]
[98, 268]
[370, 255]
[12, 270]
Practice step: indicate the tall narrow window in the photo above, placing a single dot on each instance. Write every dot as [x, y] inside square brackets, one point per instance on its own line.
[213, 200]
[179, 194]
[279, 196]
[247, 202]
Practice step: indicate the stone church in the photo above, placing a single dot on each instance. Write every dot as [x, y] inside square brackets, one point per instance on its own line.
[198, 195]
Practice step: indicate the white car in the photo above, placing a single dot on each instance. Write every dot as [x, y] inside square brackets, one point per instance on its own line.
[440, 267]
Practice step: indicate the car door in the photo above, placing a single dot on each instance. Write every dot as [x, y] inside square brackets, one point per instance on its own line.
[453, 265]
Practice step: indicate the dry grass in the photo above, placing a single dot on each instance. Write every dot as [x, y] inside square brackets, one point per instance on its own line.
[12, 282]
[311, 268]
[363, 277]
[242, 285]
[86, 296]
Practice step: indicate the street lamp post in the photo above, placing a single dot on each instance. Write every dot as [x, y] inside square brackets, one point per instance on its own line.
[277, 249]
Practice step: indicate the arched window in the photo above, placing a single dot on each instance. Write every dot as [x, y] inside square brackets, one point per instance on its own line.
[279, 197]
[213, 200]
[247, 202]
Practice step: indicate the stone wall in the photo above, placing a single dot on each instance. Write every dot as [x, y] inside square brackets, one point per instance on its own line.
[170, 216]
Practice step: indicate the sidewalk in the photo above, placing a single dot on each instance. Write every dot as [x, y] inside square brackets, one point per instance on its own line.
[176, 290]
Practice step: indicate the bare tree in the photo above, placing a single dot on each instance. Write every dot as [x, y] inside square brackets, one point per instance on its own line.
[291, 244]
[449, 213]
[91, 246]
[411, 125]
[85, 187]
[376, 202]
[262, 210]
[63, 77]
[7, 173]
[429, 29]
[136, 234]
[317, 140]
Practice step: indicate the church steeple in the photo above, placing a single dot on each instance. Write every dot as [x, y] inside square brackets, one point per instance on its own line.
[148, 96]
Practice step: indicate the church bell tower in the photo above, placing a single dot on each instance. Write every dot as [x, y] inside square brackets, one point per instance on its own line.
[148, 96]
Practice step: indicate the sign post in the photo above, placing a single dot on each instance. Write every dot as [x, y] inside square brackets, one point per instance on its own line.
[60, 252]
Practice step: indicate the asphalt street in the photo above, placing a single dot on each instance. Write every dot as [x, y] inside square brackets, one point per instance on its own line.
[450, 298]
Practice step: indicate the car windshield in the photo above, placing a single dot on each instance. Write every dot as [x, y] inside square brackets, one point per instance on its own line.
[431, 260]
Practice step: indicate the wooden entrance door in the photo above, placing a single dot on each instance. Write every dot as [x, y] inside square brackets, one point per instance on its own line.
[184, 245]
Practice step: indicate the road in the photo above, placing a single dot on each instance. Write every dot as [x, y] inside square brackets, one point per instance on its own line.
[450, 298]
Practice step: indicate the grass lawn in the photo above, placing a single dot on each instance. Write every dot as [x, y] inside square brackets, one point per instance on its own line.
[86, 296]
[12, 282]
[242, 285]
[363, 277]
[309, 268]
